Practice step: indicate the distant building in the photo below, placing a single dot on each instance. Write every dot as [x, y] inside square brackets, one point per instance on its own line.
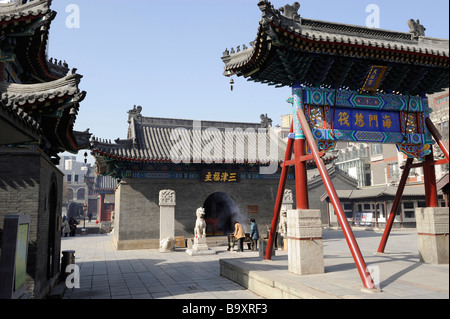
[101, 195]
[75, 189]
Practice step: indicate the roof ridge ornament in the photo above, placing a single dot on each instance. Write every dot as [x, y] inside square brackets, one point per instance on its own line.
[291, 11]
[416, 29]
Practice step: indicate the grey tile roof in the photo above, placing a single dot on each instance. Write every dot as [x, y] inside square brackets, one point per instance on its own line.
[377, 192]
[336, 33]
[29, 130]
[15, 10]
[157, 139]
[20, 94]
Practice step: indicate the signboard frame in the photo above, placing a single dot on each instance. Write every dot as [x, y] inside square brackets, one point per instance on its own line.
[342, 115]
[14, 256]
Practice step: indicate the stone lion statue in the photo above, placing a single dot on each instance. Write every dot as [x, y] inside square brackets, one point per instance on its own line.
[200, 224]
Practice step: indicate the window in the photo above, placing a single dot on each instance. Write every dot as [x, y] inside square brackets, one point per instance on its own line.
[442, 100]
[393, 170]
[69, 178]
[81, 194]
[76, 178]
[362, 151]
[348, 209]
[68, 165]
[380, 210]
[408, 210]
[377, 149]
[354, 153]
[421, 204]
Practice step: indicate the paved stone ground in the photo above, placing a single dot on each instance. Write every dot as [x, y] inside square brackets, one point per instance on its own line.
[106, 273]
[398, 272]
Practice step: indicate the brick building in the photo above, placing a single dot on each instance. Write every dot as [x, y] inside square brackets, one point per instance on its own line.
[161, 153]
[38, 107]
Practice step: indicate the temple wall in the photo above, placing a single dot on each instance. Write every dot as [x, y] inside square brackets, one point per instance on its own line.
[137, 206]
[30, 184]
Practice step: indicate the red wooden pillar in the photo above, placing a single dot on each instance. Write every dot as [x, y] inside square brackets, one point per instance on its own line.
[280, 194]
[395, 205]
[301, 176]
[348, 233]
[429, 175]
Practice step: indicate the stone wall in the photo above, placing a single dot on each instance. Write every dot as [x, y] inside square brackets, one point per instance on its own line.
[31, 184]
[137, 205]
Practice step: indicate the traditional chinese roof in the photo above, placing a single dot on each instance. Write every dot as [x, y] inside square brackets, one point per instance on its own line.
[165, 140]
[53, 104]
[292, 50]
[24, 30]
[45, 91]
[17, 127]
[377, 192]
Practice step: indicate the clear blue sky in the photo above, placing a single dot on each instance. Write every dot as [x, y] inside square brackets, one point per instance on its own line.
[165, 55]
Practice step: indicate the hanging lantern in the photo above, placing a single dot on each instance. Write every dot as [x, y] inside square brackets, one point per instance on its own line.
[232, 83]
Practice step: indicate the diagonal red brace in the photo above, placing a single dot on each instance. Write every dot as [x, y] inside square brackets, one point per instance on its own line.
[437, 136]
[349, 236]
[280, 194]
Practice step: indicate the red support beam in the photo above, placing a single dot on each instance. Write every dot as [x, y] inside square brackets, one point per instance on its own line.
[301, 175]
[395, 205]
[349, 236]
[429, 176]
[437, 136]
[280, 194]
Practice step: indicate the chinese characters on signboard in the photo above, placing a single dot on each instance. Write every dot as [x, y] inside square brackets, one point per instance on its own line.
[367, 120]
[220, 176]
[374, 78]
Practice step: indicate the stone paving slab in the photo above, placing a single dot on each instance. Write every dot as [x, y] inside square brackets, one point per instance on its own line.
[399, 272]
[106, 273]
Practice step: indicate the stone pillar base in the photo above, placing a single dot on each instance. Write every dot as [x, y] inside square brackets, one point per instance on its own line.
[432, 233]
[200, 247]
[305, 244]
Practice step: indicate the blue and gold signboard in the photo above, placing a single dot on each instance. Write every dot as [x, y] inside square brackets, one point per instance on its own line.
[374, 78]
[338, 115]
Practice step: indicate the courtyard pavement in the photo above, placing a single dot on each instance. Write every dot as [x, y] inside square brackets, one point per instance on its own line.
[106, 273]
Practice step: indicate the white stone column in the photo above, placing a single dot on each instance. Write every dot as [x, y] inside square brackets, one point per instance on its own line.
[432, 234]
[305, 252]
[167, 219]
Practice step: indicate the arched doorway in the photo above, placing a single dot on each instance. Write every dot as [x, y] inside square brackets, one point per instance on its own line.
[220, 211]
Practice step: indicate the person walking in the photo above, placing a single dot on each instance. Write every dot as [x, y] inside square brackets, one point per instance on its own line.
[239, 234]
[65, 227]
[254, 234]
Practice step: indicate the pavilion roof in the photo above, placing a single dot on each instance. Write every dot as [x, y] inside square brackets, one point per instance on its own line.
[47, 91]
[54, 103]
[28, 23]
[17, 127]
[292, 50]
